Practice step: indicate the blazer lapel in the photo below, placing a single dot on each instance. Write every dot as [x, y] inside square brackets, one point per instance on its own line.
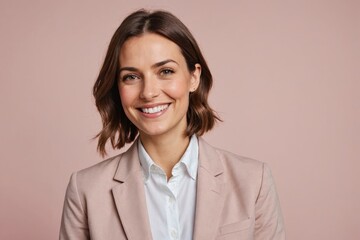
[209, 198]
[129, 196]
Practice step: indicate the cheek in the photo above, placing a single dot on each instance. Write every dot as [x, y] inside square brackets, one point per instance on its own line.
[178, 89]
[126, 96]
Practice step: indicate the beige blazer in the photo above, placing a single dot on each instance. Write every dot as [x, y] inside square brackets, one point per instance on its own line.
[236, 199]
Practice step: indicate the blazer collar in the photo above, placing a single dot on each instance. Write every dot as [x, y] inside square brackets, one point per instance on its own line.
[209, 196]
[209, 158]
[129, 196]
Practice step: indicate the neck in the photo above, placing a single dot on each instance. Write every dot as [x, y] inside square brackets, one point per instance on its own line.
[165, 151]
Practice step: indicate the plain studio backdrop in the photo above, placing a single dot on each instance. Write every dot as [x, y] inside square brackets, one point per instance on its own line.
[286, 84]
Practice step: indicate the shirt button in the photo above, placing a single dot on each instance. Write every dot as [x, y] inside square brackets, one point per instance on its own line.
[174, 234]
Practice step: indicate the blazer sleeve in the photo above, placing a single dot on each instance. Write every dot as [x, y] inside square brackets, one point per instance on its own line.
[74, 221]
[269, 224]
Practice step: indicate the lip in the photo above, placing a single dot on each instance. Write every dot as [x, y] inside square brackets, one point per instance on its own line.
[153, 115]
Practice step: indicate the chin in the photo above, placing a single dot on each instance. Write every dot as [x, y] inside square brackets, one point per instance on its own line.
[152, 132]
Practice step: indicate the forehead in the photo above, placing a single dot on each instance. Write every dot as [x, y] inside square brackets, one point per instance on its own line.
[149, 48]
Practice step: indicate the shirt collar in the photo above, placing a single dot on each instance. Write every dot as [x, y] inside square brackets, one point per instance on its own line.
[190, 158]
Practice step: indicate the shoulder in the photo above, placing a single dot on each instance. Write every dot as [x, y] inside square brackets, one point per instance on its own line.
[103, 168]
[238, 169]
[104, 175]
[236, 159]
[230, 160]
[97, 176]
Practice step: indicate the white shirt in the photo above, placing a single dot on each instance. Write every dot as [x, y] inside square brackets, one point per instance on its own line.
[171, 204]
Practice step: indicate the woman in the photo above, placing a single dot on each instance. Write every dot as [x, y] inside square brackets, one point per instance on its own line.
[152, 90]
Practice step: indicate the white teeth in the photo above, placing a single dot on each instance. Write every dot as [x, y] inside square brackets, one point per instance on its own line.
[155, 109]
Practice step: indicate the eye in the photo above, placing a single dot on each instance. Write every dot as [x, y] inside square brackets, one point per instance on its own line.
[166, 72]
[129, 77]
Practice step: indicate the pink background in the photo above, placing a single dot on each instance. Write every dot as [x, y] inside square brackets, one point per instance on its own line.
[287, 84]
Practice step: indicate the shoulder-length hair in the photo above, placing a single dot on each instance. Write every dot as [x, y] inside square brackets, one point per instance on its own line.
[115, 125]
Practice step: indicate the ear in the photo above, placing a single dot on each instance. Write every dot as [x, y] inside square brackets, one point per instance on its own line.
[195, 78]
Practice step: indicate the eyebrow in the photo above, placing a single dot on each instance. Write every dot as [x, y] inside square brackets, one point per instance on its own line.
[156, 65]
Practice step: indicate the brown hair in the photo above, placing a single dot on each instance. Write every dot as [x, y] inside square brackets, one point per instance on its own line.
[116, 126]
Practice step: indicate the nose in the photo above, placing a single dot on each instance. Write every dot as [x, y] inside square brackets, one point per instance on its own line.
[150, 89]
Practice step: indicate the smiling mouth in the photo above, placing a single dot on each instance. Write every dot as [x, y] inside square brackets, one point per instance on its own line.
[156, 109]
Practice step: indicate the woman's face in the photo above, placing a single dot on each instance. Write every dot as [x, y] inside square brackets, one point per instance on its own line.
[154, 85]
